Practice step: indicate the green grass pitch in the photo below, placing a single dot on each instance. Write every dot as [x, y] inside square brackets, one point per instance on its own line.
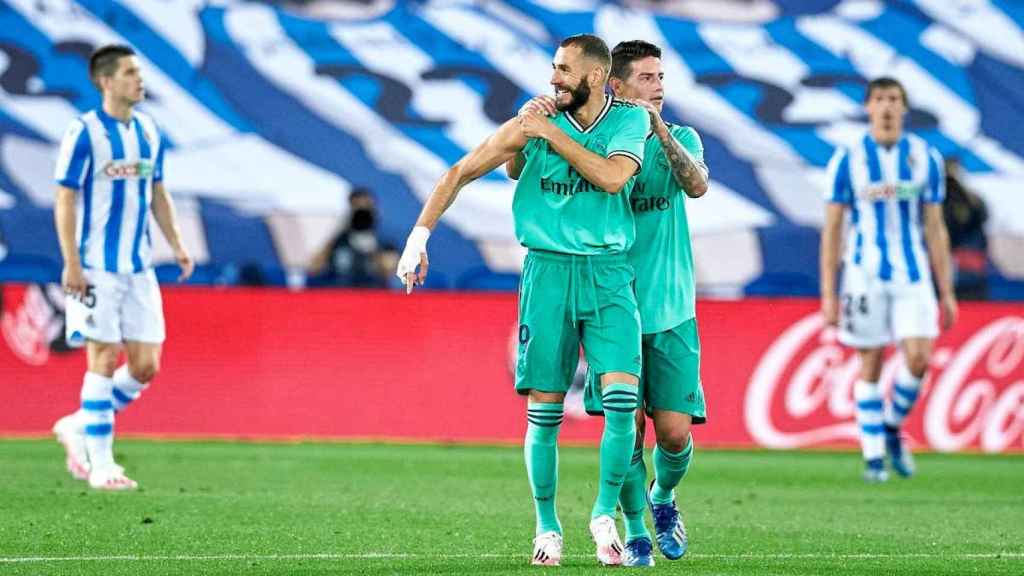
[329, 508]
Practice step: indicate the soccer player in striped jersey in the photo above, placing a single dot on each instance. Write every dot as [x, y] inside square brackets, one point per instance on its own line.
[109, 177]
[891, 184]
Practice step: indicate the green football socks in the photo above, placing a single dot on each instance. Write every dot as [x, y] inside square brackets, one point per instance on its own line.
[541, 452]
[633, 499]
[669, 469]
[620, 401]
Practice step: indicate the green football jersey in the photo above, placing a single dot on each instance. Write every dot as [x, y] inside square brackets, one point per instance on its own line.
[556, 209]
[662, 255]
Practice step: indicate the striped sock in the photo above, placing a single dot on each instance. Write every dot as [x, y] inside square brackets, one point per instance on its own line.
[869, 417]
[617, 441]
[126, 389]
[904, 394]
[633, 499]
[541, 452]
[98, 415]
[669, 470]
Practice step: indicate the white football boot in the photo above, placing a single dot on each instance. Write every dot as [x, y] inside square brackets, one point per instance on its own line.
[606, 536]
[111, 478]
[71, 435]
[547, 549]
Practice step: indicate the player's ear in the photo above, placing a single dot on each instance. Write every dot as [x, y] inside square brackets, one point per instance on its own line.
[615, 84]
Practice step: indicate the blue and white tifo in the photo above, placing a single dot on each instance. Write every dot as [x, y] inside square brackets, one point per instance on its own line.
[270, 117]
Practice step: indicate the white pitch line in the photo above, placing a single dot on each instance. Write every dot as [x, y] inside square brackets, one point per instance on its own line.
[413, 556]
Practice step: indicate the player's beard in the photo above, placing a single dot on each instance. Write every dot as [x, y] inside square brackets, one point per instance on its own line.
[578, 96]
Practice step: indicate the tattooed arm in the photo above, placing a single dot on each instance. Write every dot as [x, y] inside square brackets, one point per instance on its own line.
[691, 174]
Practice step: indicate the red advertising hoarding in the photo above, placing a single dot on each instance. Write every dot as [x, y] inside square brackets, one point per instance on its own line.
[437, 367]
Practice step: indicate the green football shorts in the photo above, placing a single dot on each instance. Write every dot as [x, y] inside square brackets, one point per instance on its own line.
[671, 375]
[565, 301]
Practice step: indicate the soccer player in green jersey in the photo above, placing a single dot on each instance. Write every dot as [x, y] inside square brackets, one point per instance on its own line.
[571, 210]
[662, 256]
[671, 388]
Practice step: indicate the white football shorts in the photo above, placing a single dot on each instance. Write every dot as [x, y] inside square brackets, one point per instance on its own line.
[116, 308]
[874, 313]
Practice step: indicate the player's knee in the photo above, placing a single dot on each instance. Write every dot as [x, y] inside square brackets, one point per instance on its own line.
[145, 371]
[105, 365]
[675, 440]
[104, 361]
[917, 364]
[619, 378]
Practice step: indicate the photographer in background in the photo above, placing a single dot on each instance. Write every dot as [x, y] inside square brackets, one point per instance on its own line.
[348, 258]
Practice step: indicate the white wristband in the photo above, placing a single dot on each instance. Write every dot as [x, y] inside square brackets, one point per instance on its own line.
[415, 245]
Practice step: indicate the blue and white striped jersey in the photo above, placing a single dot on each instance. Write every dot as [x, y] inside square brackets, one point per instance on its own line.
[885, 190]
[114, 166]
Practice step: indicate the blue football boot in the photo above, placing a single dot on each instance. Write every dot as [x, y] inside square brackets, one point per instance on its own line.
[639, 552]
[874, 471]
[668, 528]
[902, 459]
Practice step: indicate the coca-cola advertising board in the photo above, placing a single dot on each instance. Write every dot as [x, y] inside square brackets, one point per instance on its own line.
[437, 367]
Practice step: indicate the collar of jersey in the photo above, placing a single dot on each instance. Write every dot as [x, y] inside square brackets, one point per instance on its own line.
[604, 112]
[895, 145]
[109, 120]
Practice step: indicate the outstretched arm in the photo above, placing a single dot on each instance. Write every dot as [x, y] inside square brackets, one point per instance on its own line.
[497, 149]
[500, 147]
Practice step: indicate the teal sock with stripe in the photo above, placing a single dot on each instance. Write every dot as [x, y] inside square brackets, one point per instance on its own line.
[633, 499]
[620, 401]
[669, 469]
[541, 452]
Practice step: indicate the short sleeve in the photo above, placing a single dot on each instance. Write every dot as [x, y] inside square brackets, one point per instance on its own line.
[158, 165]
[840, 188]
[690, 140]
[73, 158]
[631, 137]
[160, 141]
[936, 192]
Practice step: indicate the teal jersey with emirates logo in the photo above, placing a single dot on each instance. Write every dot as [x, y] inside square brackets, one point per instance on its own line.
[662, 254]
[557, 210]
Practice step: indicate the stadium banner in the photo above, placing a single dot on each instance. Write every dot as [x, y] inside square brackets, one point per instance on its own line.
[437, 366]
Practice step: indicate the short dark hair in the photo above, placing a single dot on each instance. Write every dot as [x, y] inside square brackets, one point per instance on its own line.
[883, 82]
[592, 47]
[103, 61]
[625, 53]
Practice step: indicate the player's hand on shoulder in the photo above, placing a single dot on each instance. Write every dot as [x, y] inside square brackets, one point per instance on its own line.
[414, 254]
[539, 105]
[72, 279]
[185, 262]
[656, 121]
[534, 124]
